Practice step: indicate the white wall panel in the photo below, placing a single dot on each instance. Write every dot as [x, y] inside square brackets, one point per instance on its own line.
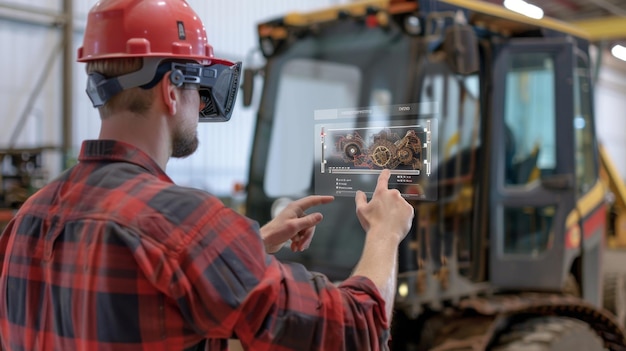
[30, 88]
[26, 50]
[610, 107]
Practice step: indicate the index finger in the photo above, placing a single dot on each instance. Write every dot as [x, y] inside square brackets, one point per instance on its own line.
[312, 200]
[383, 180]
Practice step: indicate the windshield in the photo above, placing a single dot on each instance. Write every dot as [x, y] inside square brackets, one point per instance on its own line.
[324, 84]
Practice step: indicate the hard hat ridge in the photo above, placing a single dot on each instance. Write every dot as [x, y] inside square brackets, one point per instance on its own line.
[144, 28]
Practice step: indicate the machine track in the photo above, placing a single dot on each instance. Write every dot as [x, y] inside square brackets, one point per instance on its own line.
[549, 334]
[615, 295]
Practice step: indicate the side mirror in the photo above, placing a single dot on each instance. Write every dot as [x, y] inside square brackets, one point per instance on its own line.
[248, 85]
[461, 47]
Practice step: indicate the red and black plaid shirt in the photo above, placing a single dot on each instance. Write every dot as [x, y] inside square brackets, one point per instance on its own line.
[113, 256]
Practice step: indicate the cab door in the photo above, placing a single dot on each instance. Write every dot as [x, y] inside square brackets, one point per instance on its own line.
[532, 162]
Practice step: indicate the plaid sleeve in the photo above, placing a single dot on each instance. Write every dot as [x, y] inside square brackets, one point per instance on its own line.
[228, 286]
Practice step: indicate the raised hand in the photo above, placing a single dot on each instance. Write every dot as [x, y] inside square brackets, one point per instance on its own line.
[292, 223]
[387, 209]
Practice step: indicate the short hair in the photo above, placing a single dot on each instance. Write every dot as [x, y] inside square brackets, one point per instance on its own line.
[137, 100]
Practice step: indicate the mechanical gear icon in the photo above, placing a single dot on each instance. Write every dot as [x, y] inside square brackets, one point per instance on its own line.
[405, 155]
[351, 151]
[351, 147]
[387, 150]
[383, 154]
[410, 150]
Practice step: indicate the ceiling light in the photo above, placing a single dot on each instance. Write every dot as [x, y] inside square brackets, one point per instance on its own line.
[619, 52]
[524, 8]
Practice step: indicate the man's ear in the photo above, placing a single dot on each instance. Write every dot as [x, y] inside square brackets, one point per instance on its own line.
[169, 94]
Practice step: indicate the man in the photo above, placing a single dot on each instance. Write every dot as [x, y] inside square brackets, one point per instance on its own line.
[113, 256]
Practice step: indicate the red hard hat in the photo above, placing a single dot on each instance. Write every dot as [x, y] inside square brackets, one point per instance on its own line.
[145, 28]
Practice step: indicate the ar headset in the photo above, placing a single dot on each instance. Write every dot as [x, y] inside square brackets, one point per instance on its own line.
[218, 84]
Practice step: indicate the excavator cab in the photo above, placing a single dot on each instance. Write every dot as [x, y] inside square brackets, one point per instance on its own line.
[486, 122]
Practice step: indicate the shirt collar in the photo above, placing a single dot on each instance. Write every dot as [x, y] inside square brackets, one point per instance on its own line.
[118, 151]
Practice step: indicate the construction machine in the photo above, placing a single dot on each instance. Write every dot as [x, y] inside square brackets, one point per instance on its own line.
[614, 285]
[21, 174]
[485, 118]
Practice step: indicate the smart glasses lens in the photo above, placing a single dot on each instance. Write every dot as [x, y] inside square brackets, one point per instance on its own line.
[217, 84]
[218, 90]
[207, 107]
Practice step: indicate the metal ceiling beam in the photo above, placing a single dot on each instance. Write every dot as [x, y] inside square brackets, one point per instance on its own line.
[565, 3]
[604, 28]
[32, 15]
[67, 112]
[612, 8]
[500, 11]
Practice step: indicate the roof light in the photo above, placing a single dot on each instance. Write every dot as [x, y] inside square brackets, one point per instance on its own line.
[413, 25]
[524, 8]
[619, 52]
[403, 289]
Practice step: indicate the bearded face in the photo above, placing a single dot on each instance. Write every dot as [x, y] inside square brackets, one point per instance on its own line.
[184, 143]
[185, 136]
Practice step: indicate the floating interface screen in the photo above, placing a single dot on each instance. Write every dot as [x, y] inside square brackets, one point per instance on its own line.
[354, 145]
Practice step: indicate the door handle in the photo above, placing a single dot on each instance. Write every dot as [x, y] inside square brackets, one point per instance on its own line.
[558, 181]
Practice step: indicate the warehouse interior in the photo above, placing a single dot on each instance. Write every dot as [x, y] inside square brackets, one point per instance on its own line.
[47, 115]
[45, 104]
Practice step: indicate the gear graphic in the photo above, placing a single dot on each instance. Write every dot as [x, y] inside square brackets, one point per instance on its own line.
[351, 151]
[383, 154]
[387, 150]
